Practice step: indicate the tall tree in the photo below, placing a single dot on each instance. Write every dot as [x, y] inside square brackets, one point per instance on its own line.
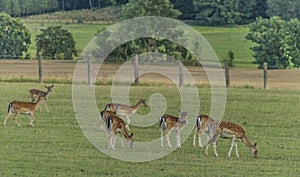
[14, 37]
[137, 8]
[287, 9]
[186, 7]
[271, 38]
[56, 43]
[216, 12]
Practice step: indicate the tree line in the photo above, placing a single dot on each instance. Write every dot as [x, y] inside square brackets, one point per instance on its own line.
[277, 38]
[208, 12]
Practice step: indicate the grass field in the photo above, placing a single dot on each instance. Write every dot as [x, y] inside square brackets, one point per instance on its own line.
[222, 39]
[56, 145]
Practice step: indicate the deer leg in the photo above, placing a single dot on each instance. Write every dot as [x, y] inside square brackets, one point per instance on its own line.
[46, 105]
[161, 138]
[6, 118]
[194, 140]
[112, 138]
[178, 138]
[109, 137]
[236, 150]
[215, 149]
[168, 138]
[122, 141]
[213, 141]
[31, 120]
[231, 146]
[41, 105]
[16, 120]
[128, 121]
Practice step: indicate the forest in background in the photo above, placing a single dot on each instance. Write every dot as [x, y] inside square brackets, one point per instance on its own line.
[208, 12]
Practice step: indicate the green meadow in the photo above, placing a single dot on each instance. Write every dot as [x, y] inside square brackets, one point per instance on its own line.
[56, 146]
[222, 39]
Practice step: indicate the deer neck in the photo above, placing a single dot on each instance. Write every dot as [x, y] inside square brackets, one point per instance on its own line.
[136, 106]
[125, 133]
[247, 142]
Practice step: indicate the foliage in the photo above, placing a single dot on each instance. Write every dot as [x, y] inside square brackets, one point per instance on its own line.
[137, 8]
[229, 58]
[56, 43]
[14, 37]
[215, 12]
[287, 9]
[278, 42]
[186, 7]
[27, 7]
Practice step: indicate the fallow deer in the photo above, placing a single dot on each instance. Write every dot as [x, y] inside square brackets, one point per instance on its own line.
[17, 107]
[125, 110]
[35, 93]
[232, 131]
[168, 123]
[201, 127]
[114, 125]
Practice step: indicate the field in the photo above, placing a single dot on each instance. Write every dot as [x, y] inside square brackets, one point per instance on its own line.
[56, 145]
[222, 39]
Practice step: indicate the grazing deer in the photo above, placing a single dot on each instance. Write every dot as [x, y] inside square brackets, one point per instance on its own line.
[17, 107]
[114, 125]
[35, 93]
[125, 110]
[104, 115]
[168, 123]
[232, 131]
[202, 122]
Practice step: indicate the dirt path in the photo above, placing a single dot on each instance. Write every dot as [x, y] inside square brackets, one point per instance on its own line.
[63, 70]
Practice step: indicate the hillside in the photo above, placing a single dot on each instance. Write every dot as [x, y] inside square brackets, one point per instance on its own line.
[85, 24]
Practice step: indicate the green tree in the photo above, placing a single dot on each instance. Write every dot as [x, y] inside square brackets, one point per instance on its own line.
[186, 7]
[216, 12]
[287, 9]
[272, 39]
[14, 37]
[293, 38]
[138, 8]
[56, 43]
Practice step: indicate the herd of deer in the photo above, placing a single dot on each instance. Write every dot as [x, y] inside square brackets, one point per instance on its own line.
[37, 97]
[113, 124]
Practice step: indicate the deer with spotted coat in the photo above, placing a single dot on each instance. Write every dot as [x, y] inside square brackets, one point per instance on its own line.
[169, 123]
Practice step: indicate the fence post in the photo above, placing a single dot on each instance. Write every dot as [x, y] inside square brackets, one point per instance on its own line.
[227, 74]
[136, 70]
[40, 56]
[89, 65]
[265, 74]
[180, 69]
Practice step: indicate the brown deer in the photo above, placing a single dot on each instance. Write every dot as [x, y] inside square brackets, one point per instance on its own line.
[17, 107]
[114, 125]
[232, 131]
[35, 93]
[168, 123]
[201, 126]
[125, 110]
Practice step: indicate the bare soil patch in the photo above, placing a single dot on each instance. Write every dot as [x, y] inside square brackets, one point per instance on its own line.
[288, 79]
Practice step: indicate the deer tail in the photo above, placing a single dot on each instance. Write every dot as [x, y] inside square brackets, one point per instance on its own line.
[162, 122]
[10, 109]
